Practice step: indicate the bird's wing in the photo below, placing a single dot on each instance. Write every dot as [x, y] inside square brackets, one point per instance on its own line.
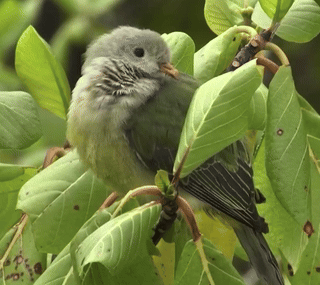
[223, 182]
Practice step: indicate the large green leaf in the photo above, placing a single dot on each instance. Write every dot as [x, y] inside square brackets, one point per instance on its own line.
[212, 59]
[285, 233]
[222, 15]
[59, 200]
[198, 266]
[60, 271]
[308, 272]
[217, 116]
[276, 9]
[19, 120]
[287, 159]
[182, 49]
[301, 24]
[41, 73]
[120, 242]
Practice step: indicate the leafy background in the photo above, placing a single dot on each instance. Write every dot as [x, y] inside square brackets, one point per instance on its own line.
[68, 26]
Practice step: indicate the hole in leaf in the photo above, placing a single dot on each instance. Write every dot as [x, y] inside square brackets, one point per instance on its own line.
[308, 228]
[280, 132]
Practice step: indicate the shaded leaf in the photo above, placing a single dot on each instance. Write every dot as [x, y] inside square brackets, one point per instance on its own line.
[258, 109]
[41, 73]
[10, 171]
[287, 160]
[276, 9]
[19, 120]
[212, 59]
[182, 49]
[301, 24]
[60, 270]
[59, 200]
[217, 116]
[15, 17]
[8, 199]
[192, 266]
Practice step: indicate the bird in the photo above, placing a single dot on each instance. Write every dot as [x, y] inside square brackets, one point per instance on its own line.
[125, 119]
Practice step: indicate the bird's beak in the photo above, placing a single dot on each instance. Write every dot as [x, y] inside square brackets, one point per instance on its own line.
[169, 69]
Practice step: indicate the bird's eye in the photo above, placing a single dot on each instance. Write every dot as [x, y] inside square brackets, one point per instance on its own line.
[139, 52]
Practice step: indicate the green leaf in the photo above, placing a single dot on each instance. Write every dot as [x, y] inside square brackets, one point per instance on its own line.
[312, 123]
[60, 270]
[41, 73]
[118, 243]
[212, 59]
[19, 120]
[24, 263]
[200, 263]
[308, 271]
[258, 109]
[10, 171]
[222, 15]
[287, 160]
[276, 9]
[15, 17]
[88, 7]
[9, 190]
[285, 233]
[162, 180]
[182, 49]
[217, 116]
[64, 194]
[301, 24]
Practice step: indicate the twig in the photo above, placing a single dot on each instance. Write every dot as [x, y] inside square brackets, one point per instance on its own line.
[20, 227]
[109, 201]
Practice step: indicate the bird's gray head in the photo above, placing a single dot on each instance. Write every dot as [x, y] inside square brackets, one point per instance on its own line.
[143, 49]
[123, 70]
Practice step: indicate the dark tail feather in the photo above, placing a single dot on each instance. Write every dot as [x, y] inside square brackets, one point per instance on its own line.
[260, 255]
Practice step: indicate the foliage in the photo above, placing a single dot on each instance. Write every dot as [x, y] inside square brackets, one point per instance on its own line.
[104, 247]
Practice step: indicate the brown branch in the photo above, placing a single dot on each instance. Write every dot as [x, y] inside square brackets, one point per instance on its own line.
[109, 201]
[268, 64]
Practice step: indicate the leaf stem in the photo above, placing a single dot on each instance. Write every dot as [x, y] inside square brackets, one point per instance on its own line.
[278, 52]
[144, 190]
[189, 216]
[246, 29]
[20, 227]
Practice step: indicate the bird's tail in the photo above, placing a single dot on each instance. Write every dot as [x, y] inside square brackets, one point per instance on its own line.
[260, 255]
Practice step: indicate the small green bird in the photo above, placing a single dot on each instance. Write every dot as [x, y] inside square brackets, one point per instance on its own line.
[125, 120]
